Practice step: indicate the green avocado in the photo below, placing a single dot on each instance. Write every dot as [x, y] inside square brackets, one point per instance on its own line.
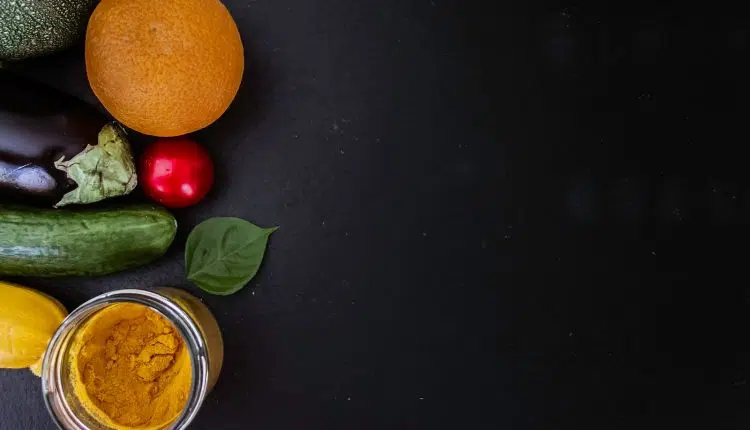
[32, 28]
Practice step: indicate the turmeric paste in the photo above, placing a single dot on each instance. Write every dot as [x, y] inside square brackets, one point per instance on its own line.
[130, 368]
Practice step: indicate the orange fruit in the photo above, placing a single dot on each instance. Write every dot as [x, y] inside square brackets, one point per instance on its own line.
[164, 67]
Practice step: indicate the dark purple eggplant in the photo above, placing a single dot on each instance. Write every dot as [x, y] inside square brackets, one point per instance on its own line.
[56, 149]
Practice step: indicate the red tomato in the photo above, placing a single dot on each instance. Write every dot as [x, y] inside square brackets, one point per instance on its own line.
[176, 172]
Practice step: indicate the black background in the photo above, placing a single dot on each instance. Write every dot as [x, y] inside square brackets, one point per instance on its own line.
[493, 215]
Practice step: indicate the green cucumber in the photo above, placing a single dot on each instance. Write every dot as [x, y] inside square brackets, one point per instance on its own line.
[47, 243]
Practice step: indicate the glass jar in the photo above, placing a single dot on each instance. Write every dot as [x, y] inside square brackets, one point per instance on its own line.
[190, 317]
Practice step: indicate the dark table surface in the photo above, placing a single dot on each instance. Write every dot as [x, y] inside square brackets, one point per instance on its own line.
[492, 216]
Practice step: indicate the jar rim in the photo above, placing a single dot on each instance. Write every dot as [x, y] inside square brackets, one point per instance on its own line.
[54, 398]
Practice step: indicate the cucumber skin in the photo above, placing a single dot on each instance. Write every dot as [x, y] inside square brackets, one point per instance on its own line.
[50, 243]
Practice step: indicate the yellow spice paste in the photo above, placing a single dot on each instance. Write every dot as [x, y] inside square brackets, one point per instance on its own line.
[130, 368]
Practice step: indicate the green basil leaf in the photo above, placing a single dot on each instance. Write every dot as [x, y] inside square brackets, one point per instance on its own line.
[223, 254]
